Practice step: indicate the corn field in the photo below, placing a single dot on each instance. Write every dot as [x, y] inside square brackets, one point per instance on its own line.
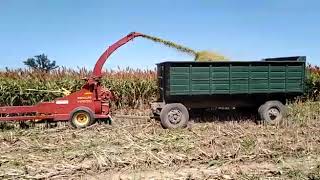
[313, 82]
[133, 88]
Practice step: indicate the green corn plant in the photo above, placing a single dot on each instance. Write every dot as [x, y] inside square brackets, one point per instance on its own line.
[134, 88]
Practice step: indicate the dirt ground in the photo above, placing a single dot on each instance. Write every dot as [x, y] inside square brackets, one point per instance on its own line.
[141, 149]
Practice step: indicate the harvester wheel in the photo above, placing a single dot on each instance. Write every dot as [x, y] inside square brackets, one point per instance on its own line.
[174, 115]
[82, 117]
[272, 112]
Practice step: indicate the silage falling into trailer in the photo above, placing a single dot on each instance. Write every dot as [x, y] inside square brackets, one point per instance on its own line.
[198, 55]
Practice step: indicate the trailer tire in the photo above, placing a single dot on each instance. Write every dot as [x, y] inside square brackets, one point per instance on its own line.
[174, 116]
[272, 112]
[82, 117]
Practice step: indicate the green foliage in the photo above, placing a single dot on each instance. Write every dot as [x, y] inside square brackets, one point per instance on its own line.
[303, 112]
[313, 82]
[133, 88]
[41, 63]
[248, 144]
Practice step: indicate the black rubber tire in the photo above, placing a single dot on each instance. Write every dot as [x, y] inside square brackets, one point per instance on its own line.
[86, 111]
[164, 116]
[266, 107]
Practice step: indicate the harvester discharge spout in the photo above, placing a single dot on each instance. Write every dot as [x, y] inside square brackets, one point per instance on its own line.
[97, 71]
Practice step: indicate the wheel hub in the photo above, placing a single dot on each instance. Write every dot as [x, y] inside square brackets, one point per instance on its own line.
[273, 113]
[82, 118]
[175, 116]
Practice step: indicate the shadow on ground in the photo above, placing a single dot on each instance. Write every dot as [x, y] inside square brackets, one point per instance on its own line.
[222, 115]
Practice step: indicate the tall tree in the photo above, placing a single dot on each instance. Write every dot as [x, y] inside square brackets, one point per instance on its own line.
[41, 62]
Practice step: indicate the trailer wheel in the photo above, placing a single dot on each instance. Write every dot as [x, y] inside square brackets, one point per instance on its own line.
[82, 117]
[272, 112]
[174, 115]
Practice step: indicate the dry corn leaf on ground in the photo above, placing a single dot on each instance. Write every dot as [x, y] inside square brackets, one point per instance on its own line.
[141, 149]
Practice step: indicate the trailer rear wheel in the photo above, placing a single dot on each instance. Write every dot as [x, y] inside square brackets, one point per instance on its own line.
[174, 115]
[272, 112]
[81, 118]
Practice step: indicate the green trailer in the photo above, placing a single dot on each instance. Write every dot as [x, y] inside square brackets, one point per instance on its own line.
[265, 85]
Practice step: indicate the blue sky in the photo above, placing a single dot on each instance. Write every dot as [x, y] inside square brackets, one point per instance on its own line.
[76, 32]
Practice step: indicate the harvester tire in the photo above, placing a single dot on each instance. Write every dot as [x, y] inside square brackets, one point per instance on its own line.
[174, 116]
[272, 112]
[82, 117]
